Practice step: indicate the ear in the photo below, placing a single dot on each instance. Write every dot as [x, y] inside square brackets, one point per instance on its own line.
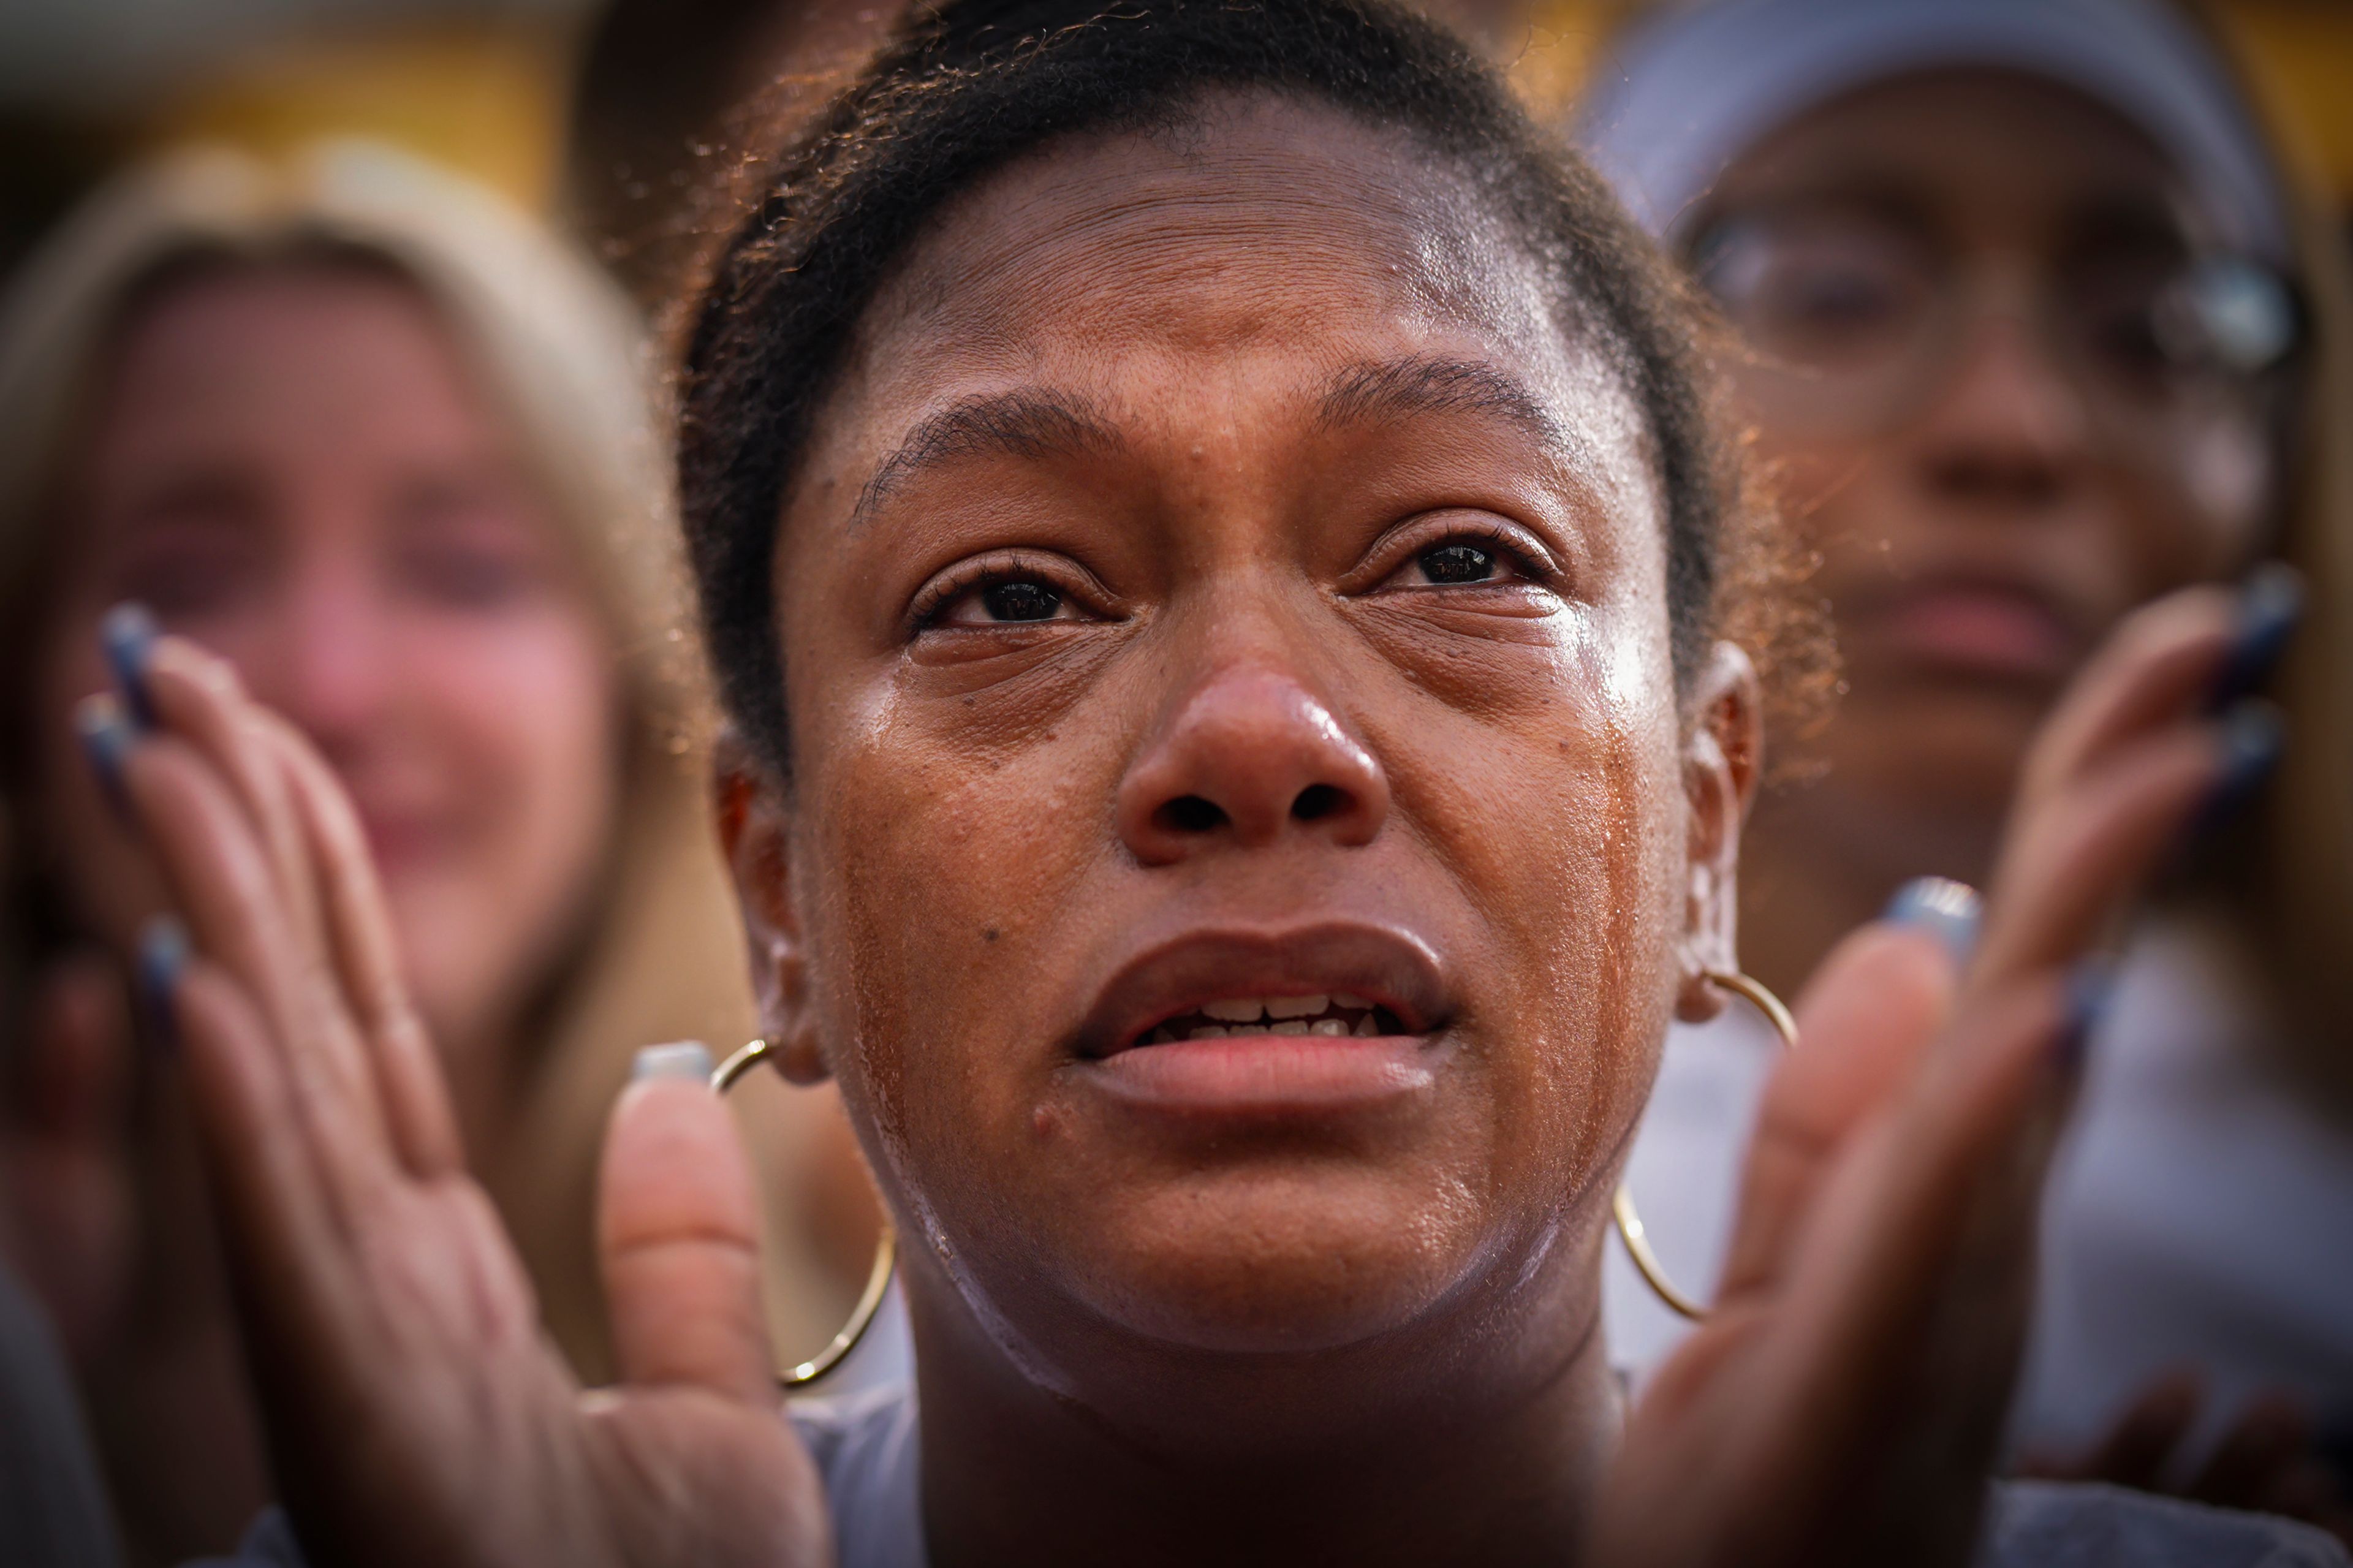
[755, 830]
[1723, 744]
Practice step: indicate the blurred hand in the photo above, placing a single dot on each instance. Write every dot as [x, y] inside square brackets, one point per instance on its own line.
[2264, 1462]
[1843, 1402]
[416, 1414]
[65, 1180]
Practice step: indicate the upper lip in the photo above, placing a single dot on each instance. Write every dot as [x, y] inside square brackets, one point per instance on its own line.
[1390, 968]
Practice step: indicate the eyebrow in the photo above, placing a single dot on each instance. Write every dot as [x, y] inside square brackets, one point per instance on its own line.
[1031, 423]
[1401, 388]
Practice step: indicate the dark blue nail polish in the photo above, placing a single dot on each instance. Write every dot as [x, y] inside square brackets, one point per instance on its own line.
[128, 636]
[1943, 908]
[2253, 735]
[2089, 989]
[107, 740]
[163, 958]
[2271, 606]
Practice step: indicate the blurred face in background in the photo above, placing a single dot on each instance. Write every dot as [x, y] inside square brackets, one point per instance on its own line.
[296, 466]
[2011, 389]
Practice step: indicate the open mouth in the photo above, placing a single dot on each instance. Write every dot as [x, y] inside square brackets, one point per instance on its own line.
[1335, 1013]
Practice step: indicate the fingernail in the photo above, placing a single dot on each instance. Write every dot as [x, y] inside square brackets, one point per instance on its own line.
[2271, 606]
[679, 1059]
[2089, 988]
[2253, 735]
[127, 635]
[1943, 908]
[163, 958]
[107, 740]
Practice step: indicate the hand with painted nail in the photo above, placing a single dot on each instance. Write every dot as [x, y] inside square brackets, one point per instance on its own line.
[1844, 1395]
[418, 1412]
[2265, 1461]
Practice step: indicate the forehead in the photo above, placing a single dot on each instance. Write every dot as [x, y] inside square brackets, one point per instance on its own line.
[317, 351]
[1257, 235]
[1984, 150]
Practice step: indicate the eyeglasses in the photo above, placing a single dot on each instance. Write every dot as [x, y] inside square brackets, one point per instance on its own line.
[1856, 322]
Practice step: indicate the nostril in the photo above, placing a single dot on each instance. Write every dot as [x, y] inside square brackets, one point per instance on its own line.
[1318, 800]
[1190, 813]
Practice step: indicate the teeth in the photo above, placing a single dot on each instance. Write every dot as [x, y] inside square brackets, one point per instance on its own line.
[1365, 1025]
[1162, 1035]
[1349, 1000]
[1241, 1010]
[1327, 1026]
[1296, 1007]
[1208, 1032]
[1288, 1027]
[1247, 1029]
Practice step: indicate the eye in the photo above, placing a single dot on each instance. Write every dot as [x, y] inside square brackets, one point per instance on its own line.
[1457, 562]
[1020, 601]
[1461, 558]
[1008, 590]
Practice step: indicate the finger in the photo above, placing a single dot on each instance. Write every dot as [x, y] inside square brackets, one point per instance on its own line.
[290, 1258]
[2154, 669]
[2135, 1450]
[199, 698]
[366, 956]
[2266, 1444]
[1877, 1254]
[1863, 1024]
[223, 881]
[2073, 860]
[678, 1233]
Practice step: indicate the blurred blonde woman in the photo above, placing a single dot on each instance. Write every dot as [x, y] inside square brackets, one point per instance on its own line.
[384, 444]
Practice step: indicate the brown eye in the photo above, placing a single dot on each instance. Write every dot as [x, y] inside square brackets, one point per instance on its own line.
[1457, 562]
[1020, 601]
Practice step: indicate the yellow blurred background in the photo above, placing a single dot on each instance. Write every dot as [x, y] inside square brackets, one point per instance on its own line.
[488, 88]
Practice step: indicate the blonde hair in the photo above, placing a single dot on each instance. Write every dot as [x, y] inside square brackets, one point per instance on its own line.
[659, 953]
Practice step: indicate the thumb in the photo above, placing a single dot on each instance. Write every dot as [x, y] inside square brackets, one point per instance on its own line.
[678, 1232]
[1863, 1025]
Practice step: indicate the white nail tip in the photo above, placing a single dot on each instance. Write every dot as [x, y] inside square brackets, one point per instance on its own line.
[679, 1059]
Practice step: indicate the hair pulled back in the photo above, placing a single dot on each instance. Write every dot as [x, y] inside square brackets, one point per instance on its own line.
[971, 86]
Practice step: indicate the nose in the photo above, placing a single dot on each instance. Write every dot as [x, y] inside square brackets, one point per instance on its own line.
[331, 669]
[2011, 431]
[1248, 758]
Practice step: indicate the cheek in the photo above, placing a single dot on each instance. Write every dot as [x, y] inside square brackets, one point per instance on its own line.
[950, 878]
[1548, 777]
[515, 729]
[527, 708]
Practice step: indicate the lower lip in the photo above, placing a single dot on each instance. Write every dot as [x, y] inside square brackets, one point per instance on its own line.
[1991, 633]
[1269, 1076]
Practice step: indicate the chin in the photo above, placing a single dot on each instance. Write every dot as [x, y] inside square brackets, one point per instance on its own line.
[1957, 750]
[1257, 1263]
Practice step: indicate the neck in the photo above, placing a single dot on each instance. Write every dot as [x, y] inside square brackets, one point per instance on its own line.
[1357, 1455]
[1817, 861]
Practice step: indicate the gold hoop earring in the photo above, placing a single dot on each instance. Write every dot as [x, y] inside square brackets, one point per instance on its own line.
[1621, 1202]
[878, 1279]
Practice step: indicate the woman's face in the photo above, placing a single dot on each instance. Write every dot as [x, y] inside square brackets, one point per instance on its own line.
[296, 467]
[1988, 507]
[1244, 848]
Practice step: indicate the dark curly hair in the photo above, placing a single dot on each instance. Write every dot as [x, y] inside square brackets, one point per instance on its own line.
[970, 86]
